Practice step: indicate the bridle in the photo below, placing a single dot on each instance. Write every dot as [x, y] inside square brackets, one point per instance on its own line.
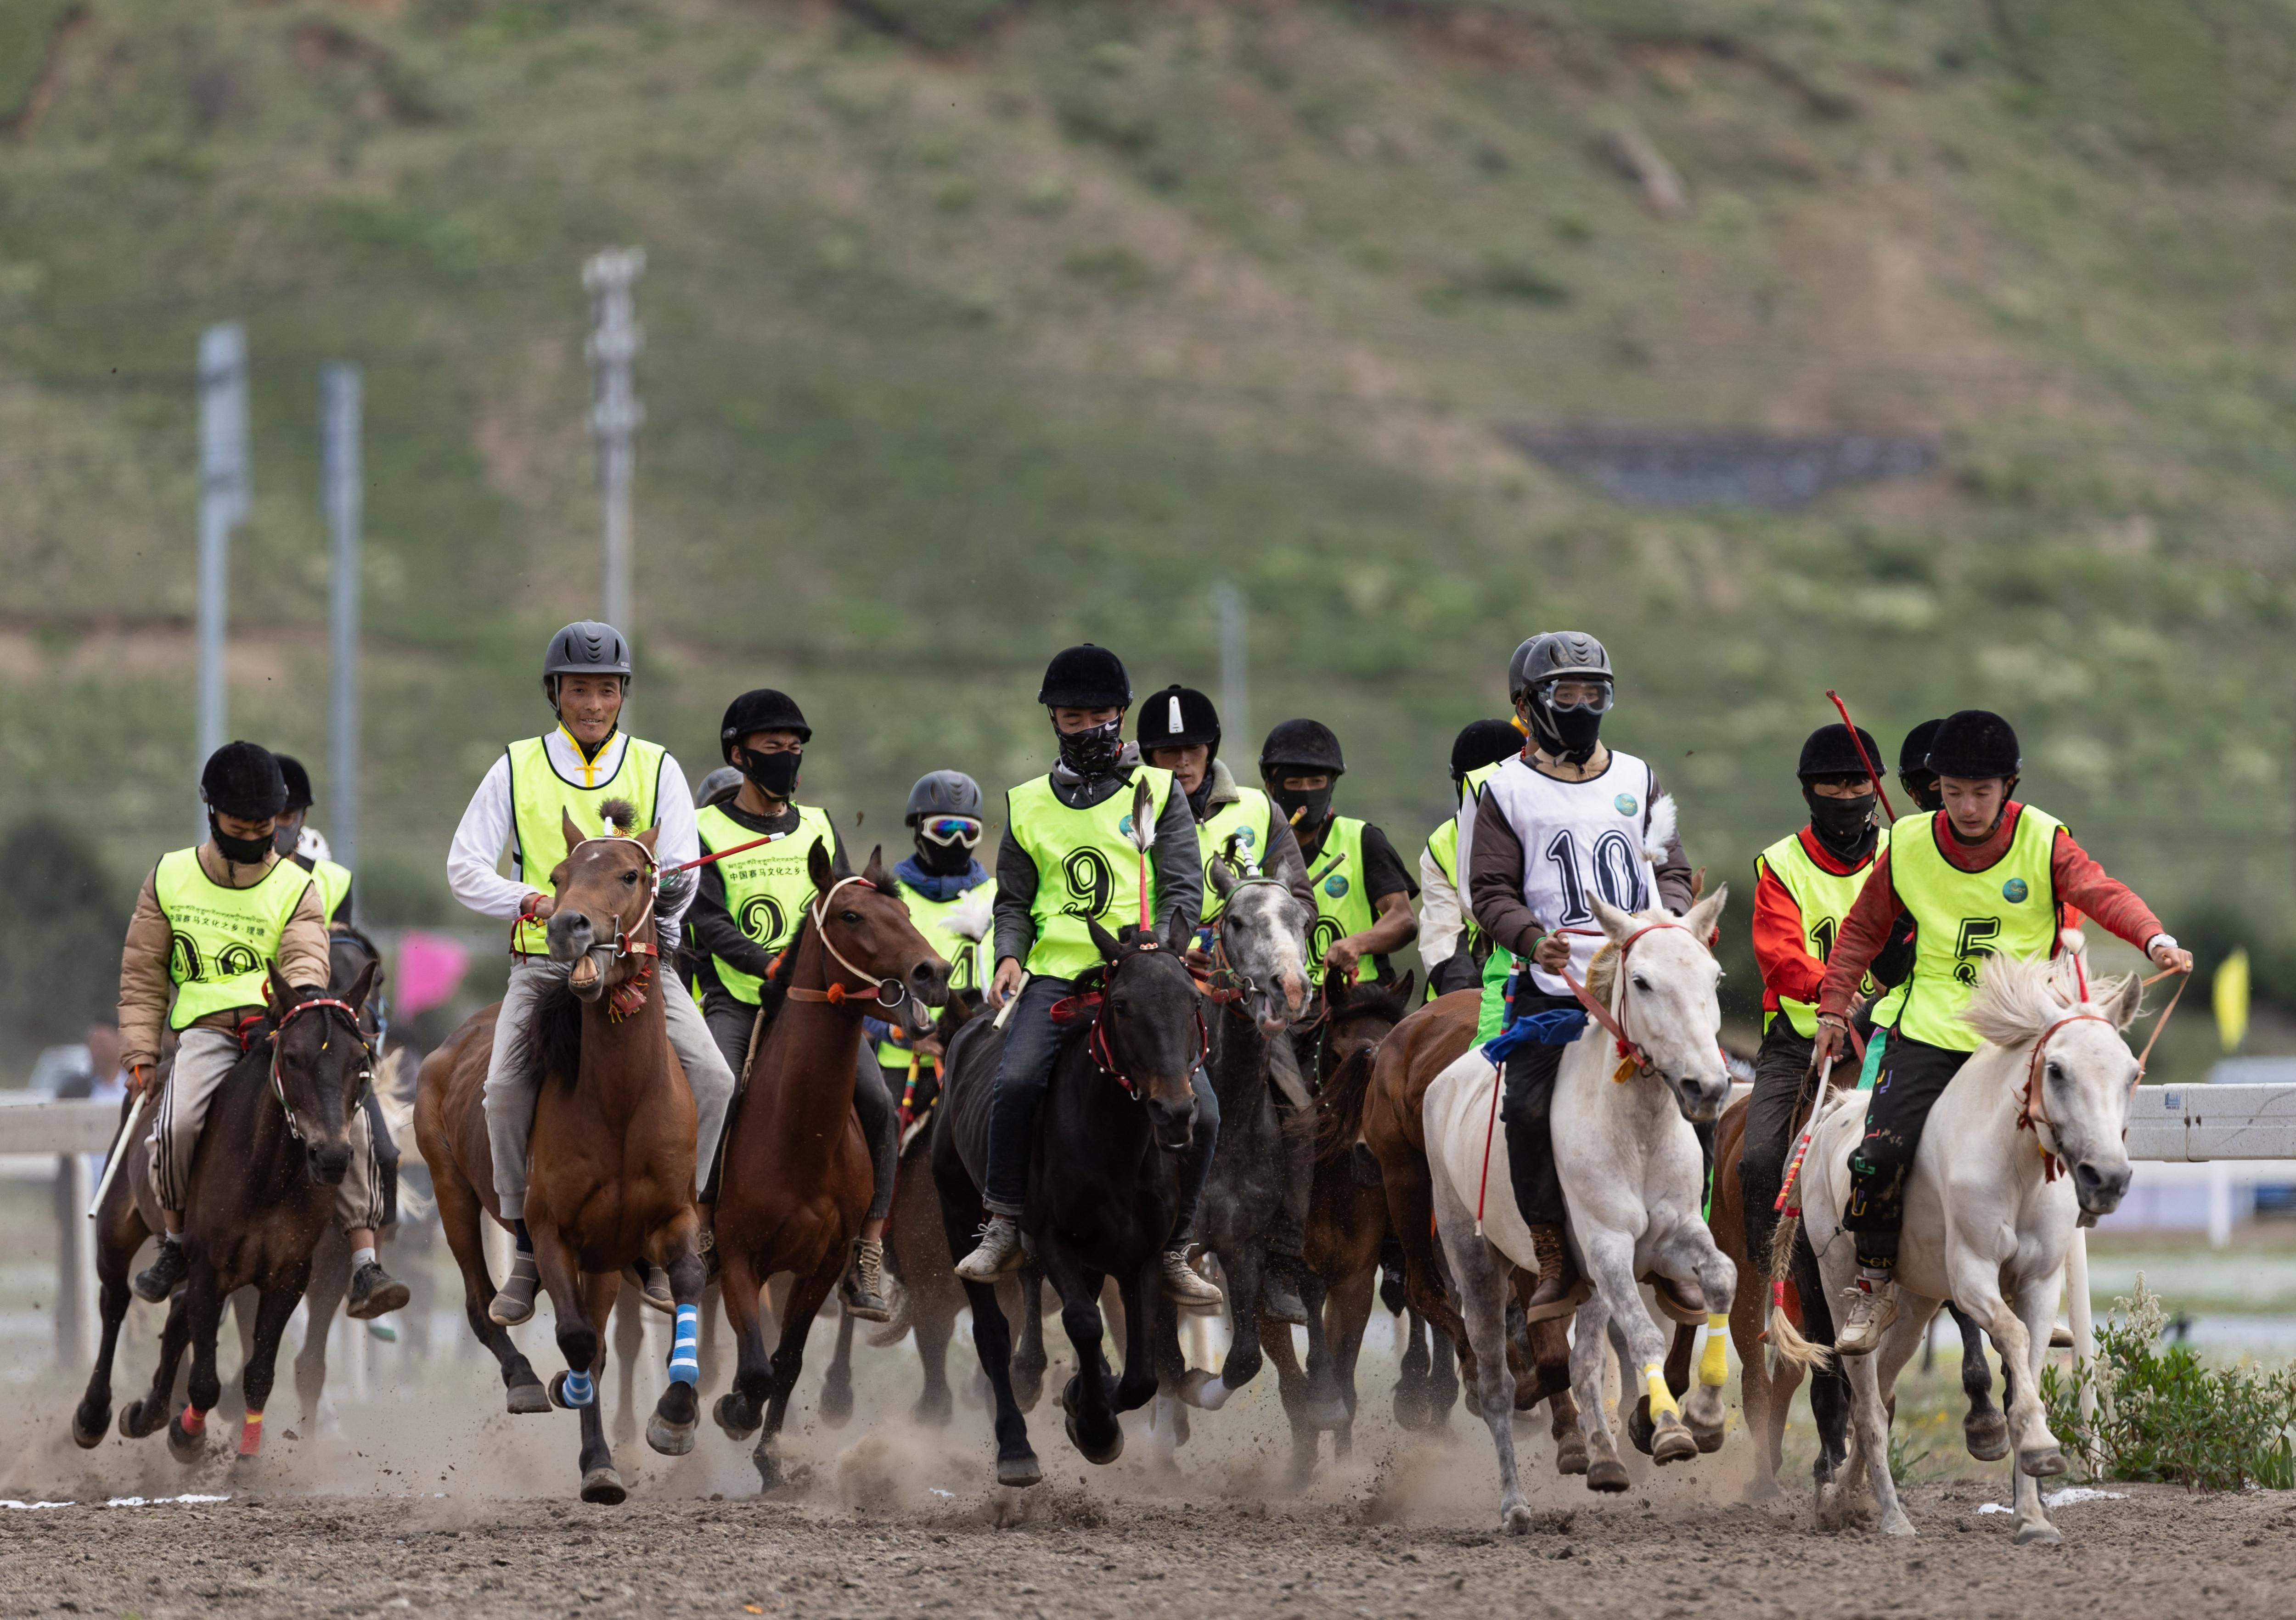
[1091, 1004]
[890, 992]
[1226, 982]
[1633, 1058]
[334, 1006]
[2030, 1114]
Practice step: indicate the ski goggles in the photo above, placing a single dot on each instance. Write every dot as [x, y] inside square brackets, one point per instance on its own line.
[960, 829]
[1577, 691]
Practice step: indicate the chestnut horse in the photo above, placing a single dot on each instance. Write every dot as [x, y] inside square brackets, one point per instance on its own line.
[612, 1153]
[796, 1177]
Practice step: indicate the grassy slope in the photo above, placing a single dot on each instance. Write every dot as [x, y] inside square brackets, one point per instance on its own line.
[954, 357]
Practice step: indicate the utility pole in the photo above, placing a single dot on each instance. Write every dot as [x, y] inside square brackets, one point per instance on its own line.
[1235, 688]
[223, 507]
[615, 412]
[339, 498]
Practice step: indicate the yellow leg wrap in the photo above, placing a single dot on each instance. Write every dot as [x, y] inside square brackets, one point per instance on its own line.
[1661, 1398]
[1714, 1365]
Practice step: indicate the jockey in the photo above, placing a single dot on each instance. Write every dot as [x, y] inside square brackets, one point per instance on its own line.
[1363, 891]
[1179, 731]
[749, 909]
[1059, 827]
[1984, 875]
[1804, 884]
[1914, 773]
[303, 845]
[521, 803]
[944, 820]
[207, 923]
[1567, 819]
[1449, 943]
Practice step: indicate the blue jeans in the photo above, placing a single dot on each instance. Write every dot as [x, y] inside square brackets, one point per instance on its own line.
[1024, 1070]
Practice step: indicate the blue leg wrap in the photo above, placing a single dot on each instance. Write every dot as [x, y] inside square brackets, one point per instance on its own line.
[577, 1389]
[686, 1352]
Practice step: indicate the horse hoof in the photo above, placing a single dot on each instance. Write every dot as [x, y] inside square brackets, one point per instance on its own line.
[1673, 1443]
[1987, 1435]
[526, 1399]
[2041, 1464]
[769, 1469]
[1708, 1439]
[1328, 1415]
[603, 1486]
[736, 1416]
[670, 1439]
[1515, 1520]
[1107, 1454]
[1019, 1471]
[1897, 1523]
[1570, 1453]
[87, 1436]
[836, 1407]
[185, 1448]
[1608, 1475]
[1410, 1409]
[558, 1393]
[2040, 1533]
[933, 1411]
[1639, 1428]
[1763, 1488]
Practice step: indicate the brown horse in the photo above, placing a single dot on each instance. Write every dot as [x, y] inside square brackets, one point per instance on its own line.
[1417, 1050]
[612, 1152]
[797, 1176]
[275, 1147]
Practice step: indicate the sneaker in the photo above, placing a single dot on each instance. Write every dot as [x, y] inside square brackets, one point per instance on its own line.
[374, 1292]
[164, 1275]
[513, 1302]
[1279, 1291]
[862, 1288]
[1189, 1288]
[998, 1253]
[654, 1288]
[1871, 1308]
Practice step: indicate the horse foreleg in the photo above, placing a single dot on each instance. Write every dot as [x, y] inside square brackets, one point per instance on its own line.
[204, 1321]
[459, 1217]
[1870, 1416]
[1717, 1280]
[331, 1277]
[1091, 1420]
[594, 1311]
[804, 1303]
[1029, 1360]
[628, 1334]
[930, 1324]
[1291, 1390]
[1984, 1431]
[679, 1413]
[836, 1404]
[273, 1307]
[138, 1418]
[740, 1408]
[1610, 1258]
[1549, 1344]
[1143, 1291]
[1345, 1316]
[1413, 1370]
[120, 1233]
[1484, 1282]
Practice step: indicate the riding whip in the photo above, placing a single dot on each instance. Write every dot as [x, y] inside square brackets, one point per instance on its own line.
[118, 1149]
[1864, 758]
[1808, 1131]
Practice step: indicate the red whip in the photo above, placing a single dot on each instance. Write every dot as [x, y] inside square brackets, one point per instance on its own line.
[1864, 758]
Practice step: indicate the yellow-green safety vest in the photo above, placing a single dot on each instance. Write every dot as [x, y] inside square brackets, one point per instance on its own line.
[540, 797]
[1824, 898]
[969, 967]
[1086, 866]
[1443, 848]
[1342, 899]
[221, 941]
[333, 879]
[767, 888]
[1250, 820]
[2009, 909]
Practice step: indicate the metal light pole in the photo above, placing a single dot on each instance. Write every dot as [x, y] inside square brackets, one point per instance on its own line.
[1235, 689]
[339, 498]
[615, 412]
[223, 507]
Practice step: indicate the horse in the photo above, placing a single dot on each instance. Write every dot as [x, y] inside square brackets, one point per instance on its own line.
[1103, 1184]
[1346, 1224]
[796, 1177]
[1633, 1179]
[611, 1149]
[1989, 1222]
[275, 1146]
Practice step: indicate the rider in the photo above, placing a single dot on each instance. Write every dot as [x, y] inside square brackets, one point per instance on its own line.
[1060, 829]
[1804, 884]
[303, 845]
[207, 924]
[1914, 773]
[523, 801]
[1449, 943]
[1179, 731]
[1569, 818]
[944, 822]
[1984, 875]
[749, 909]
[1363, 890]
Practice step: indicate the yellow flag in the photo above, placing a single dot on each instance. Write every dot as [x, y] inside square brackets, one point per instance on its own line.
[2231, 996]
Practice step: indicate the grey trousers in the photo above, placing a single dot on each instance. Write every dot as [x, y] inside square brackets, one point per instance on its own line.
[204, 1057]
[512, 1083]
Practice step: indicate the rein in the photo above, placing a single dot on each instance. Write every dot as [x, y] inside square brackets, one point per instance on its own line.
[324, 1004]
[1629, 1049]
[631, 993]
[890, 992]
[1074, 1009]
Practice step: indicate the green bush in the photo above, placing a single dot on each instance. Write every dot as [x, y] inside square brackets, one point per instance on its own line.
[2164, 1417]
[59, 952]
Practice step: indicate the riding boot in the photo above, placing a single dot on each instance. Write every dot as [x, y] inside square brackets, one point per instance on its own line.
[1279, 1290]
[374, 1292]
[1560, 1287]
[166, 1272]
[862, 1288]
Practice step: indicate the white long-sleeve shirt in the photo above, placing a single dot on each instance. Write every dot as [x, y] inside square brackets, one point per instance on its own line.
[1441, 919]
[489, 827]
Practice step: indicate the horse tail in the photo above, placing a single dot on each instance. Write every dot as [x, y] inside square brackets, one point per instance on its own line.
[1340, 1118]
[1785, 1339]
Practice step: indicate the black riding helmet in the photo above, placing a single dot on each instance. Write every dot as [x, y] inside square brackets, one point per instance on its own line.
[585, 647]
[1308, 747]
[1482, 742]
[298, 783]
[1086, 677]
[759, 709]
[1974, 744]
[1914, 772]
[1176, 718]
[242, 780]
[1828, 752]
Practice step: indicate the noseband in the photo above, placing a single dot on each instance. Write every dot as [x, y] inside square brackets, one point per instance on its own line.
[1092, 1004]
[1633, 1058]
[332, 1006]
[890, 992]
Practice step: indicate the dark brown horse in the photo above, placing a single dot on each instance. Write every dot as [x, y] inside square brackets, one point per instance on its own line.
[274, 1149]
[796, 1177]
[610, 1177]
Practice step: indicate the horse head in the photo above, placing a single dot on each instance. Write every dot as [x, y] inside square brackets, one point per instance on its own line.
[866, 928]
[1152, 1028]
[1262, 932]
[605, 893]
[1358, 1016]
[2079, 1072]
[319, 1065]
[350, 952]
[1661, 985]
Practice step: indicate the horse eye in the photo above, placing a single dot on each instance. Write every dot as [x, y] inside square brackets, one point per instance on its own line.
[1641, 983]
[630, 878]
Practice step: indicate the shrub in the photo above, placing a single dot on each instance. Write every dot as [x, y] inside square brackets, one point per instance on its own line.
[2164, 1417]
[937, 25]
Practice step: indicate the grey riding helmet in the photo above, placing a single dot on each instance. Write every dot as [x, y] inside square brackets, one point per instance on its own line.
[585, 647]
[943, 793]
[1553, 656]
[720, 785]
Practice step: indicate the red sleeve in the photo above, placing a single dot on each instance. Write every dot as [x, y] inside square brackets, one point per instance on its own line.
[2081, 882]
[1864, 932]
[1779, 945]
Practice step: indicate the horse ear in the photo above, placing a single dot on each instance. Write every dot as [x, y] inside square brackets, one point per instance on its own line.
[648, 836]
[873, 873]
[2126, 1005]
[1223, 876]
[276, 987]
[1410, 982]
[364, 985]
[1706, 916]
[819, 866]
[574, 834]
[1616, 923]
[1176, 933]
[1102, 940]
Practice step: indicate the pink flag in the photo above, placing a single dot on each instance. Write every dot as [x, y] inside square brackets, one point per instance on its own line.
[430, 969]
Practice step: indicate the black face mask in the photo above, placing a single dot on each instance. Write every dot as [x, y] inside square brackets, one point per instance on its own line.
[1094, 751]
[775, 775]
[289, 835]
[1922, 788]
[1844, 826]
[1306, 808]
[1569, 733]
[943, 860]
[244, 852]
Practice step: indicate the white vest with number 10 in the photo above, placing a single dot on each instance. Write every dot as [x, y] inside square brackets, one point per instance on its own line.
[1579, 839]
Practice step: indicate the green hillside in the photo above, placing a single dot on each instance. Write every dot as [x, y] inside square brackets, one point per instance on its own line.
[975, 328]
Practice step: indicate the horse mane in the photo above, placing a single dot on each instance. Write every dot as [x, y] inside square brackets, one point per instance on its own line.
[2017, 1000]
[1339, 1119]
[1603, 972]
[553, 1045]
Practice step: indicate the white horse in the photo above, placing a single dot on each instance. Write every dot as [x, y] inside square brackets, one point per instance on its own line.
[1990, 1213]
[1632, 1178]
